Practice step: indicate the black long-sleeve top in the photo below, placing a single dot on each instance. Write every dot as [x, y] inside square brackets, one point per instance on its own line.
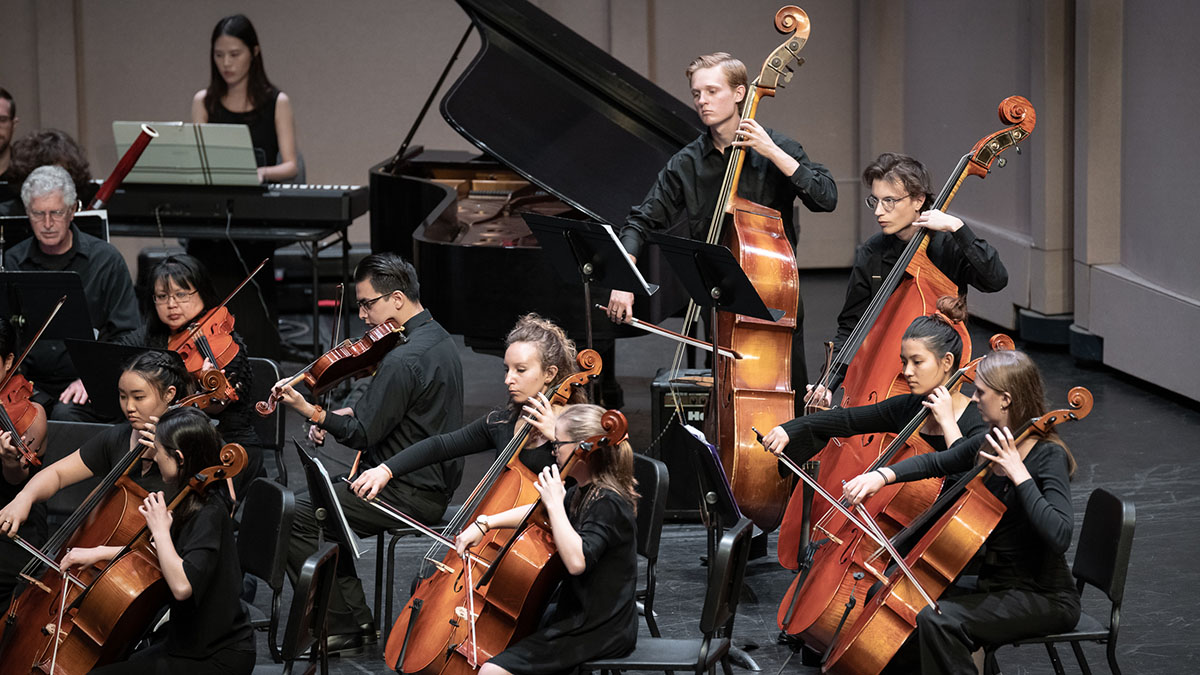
[685, 194]
[1027, 548]
[416, 392]
[490, 432]
[963, 257]
[107, 287]
[808, 434]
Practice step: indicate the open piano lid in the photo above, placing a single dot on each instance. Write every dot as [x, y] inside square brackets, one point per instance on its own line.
[563, 113]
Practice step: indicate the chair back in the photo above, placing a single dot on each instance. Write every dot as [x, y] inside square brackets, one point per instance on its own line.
[63, 438]
[652, 483]
[727, 571]
[265, 530]
[269, 429]
[1105, 543]
[310, 603]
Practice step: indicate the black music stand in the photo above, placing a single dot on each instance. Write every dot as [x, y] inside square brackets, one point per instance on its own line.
[26, 299]
[100, 364]
[590, 253]
[714, 279]
[326, 506]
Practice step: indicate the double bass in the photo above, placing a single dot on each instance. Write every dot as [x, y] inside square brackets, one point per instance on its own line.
[434, 632]
[910, 290]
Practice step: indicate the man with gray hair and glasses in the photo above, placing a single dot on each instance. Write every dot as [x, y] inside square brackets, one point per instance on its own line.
[58, 245]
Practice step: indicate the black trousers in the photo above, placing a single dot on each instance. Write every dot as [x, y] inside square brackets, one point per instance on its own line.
[943, 643]
[348, 609]
[154, 660]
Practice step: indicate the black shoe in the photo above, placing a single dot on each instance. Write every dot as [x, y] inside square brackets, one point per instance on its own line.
[344, 644]
[370, 634]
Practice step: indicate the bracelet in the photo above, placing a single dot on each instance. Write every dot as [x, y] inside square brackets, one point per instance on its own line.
[481, 530]
[316, 414]
[884, 475]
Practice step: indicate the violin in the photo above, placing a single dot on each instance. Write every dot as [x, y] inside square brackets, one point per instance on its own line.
[19, 414]
[910, 290]
[965, 516]
[431, 634]
[345, 361]
[209, 338]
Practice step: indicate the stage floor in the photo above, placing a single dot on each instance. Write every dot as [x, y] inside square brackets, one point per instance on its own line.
[1139, 442]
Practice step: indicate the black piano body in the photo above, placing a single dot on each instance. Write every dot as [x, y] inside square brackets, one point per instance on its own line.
[547, 107]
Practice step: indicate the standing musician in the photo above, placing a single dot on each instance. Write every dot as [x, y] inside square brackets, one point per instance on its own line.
[16, 472]
[417, 391]
[930, 352]
[181, 292]
[593, 527]
[148, 385]
[538, 356]
[902, 197]
[1025, 588]
[57, 245]
[686, 191]
[209, 630]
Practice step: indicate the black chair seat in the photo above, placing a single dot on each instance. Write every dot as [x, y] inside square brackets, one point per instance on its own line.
[665, 654]
[1088, 628]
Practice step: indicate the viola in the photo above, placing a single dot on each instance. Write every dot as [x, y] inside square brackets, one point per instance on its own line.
[345, 361]
[432, 629]
[19, 414]
[816, 604]
[910, 290]
[71, 624]
[965, 516]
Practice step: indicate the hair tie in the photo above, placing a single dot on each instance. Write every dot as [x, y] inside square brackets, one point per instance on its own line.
[937, 314]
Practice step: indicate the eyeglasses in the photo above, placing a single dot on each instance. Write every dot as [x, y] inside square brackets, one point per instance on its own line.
[58, 215]
[179, 297]
[366, 304]
[5, 119]
[889, 203]
[555, 445]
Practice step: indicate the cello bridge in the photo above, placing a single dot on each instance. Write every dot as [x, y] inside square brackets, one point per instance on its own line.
[36, 582]
[829, 535]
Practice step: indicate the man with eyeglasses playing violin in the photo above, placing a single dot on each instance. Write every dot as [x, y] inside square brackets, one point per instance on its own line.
[58, 245]
[416, 392]
[901, 196]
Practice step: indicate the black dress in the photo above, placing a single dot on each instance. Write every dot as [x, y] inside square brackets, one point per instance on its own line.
[596, 616]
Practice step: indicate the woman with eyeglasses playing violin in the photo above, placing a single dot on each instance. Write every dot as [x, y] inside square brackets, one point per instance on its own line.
[181, 292]
[901, 197]
[593, 526]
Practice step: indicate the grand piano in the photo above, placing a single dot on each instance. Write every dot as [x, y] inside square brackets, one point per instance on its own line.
[564, 129]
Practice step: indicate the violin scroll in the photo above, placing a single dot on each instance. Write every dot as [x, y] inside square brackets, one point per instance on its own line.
[792, 19]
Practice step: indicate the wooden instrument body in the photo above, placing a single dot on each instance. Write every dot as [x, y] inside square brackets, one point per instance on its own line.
[353, 359]
[23, 417]
[936, 560]
[872, 376]
[215, 328]
[756, 391]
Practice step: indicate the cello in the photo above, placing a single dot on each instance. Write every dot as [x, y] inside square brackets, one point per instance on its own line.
[430, 632]
[910, 290]
[825, 598]
[965, 516]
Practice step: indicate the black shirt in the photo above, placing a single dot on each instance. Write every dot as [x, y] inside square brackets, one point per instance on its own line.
[492, 431]
[416, 392]
[685, 194]
[262, 128]
[107, 449]
[213, 618]
[107, 287]
[1028, 546]
[964, 258]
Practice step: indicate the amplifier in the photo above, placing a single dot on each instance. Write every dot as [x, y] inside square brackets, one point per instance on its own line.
[683, 496]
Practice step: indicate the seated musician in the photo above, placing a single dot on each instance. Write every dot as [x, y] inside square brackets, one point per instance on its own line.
[416, 391]
[181, 292]
[930, 352]
[148, 385]
[594, 527]
[58, 245]
[209, 630]
[902, 198]
[538, 357]
[1025, 588]
[773, 175]
[17, 471]
[9, 199]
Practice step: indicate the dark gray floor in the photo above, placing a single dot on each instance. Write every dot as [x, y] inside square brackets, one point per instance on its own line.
[1138, 442]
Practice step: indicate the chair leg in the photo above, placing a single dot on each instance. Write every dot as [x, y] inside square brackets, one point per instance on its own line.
[378, 574]
[386, 624]
[273, 628]
[1083, 664]
[1054, 660]
[1112, 657]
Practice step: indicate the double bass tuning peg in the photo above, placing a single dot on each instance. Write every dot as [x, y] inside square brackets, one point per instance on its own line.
[1001, 162]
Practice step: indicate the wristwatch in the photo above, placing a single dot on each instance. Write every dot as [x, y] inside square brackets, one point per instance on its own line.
[482, 522]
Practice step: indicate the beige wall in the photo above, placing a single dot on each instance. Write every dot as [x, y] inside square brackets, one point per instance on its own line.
[1081, 230]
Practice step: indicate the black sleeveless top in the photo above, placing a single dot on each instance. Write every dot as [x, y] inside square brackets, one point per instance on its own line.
[262, 128]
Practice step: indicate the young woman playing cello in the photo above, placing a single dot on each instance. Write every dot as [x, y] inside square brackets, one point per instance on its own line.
[929, 353]
[149, 384]
[593, 526]
[209, 631]
[538, 357]
[1025, 588]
